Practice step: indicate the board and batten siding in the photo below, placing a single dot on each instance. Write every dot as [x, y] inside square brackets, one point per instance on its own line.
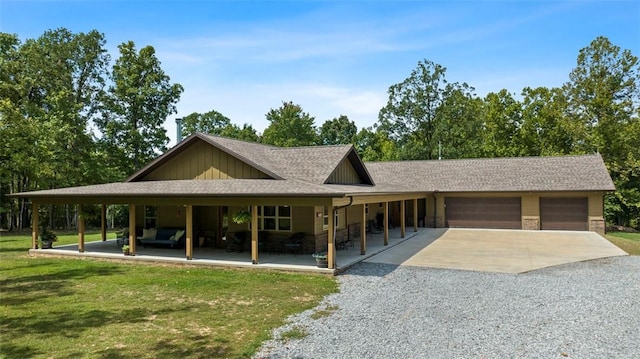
[344, 174]
[203, 161]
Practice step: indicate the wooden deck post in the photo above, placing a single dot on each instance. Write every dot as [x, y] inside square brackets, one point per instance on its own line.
[363, 231]
[254, 234]
[132, 229]
[385, 224]
[189, 225]
[80, 230]
[34, 225]
[103, 222]
[415, 214]
[331, 253]
[403, 215]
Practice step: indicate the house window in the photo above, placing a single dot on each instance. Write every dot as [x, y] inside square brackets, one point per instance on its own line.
[325, 223]
[366, 208]
[150, 216]
[274, 218]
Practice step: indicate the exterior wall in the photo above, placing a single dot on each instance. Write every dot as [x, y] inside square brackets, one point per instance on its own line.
[203, 161]
[354, 214]
[596, 213]
[430, 204]
[439, 212]
[344, 174]
[531, 207]
[530, 212]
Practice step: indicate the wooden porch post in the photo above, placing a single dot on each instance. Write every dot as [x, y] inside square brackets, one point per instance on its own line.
[34, 225]
[415, 214]
[80, 230]
[385, 221]
[363, 231]
[254, 234]
[103, 222]
[403, 214]
[189, 241]
[132, 229]
[331, 259]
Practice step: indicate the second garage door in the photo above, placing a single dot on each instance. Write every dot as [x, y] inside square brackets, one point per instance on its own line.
[564, 213]
[483, 212]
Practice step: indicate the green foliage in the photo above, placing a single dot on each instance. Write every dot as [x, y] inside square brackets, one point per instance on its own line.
[502, 122]
[296, 332]
[215, 123]
[212, 122]
[375, 145]
[289, 126]
[544, 131]
[338, 131]
[46, 235]
[137, 104]
[604, 113]
[241, 216]
[425, 113]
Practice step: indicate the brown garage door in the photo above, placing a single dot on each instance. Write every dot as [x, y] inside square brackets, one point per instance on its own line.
[564, 213]
[484, 212]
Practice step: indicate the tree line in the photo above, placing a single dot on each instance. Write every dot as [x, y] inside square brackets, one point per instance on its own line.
[68, 117]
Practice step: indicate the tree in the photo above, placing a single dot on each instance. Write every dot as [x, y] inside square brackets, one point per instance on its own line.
[215, 123]
[289, 126]
[212, 122]
[51, 86]
[425, 113]
[246, 133]
[502, 122]
[604, 106]
[375, 145]
[137, 104]
[338, 131]
[410, 113]
[458, 128]
[544, 130]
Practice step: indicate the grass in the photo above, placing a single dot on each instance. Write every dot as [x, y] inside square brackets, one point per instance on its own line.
[323, 312]
[293, 333]
[628, 242]
[63, 308]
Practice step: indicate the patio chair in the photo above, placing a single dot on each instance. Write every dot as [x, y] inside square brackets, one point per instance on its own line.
[293, 244]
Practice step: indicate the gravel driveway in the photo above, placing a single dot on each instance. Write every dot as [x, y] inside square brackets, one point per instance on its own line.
[579, 310]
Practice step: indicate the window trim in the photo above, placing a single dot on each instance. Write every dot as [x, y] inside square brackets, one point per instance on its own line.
[155, 217]
[276, 217]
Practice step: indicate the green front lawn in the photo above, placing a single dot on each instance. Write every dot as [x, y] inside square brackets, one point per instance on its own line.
[63, 308]
[628, 242]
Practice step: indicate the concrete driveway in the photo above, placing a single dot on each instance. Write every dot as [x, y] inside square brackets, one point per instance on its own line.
[494, 250]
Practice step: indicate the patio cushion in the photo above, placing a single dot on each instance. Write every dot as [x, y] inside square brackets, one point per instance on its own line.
[149, 234]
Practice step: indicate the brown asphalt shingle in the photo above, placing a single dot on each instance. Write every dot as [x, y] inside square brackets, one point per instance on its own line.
[302, 171]
[564, 173]
[312, 164]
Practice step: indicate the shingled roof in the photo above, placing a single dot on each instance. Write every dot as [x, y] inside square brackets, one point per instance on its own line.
[304, 171]
[312, 164]
[531, 174]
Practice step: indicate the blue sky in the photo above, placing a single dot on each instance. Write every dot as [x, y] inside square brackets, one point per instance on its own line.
[243, 58]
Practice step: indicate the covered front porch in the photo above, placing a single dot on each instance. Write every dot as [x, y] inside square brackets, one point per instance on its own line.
[216, 257]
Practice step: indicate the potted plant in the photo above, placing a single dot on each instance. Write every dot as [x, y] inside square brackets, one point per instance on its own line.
[242, 216]
[321, 259]
[47, 238]
[126, 250]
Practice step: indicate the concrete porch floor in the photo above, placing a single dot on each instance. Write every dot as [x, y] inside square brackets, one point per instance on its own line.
[219, 257]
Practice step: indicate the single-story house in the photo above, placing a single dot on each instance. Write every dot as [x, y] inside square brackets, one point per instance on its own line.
[318, 197]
